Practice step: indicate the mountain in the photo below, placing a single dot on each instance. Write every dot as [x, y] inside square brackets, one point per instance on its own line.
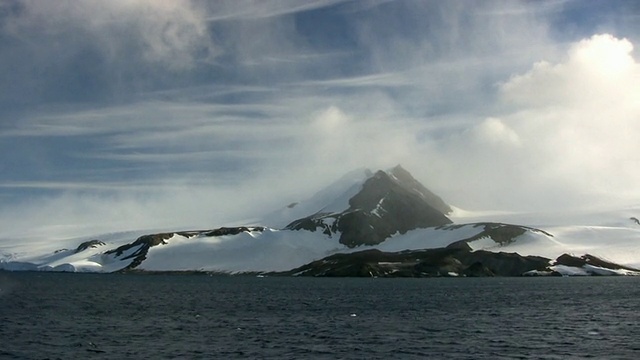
[382, 223]
[387, 203]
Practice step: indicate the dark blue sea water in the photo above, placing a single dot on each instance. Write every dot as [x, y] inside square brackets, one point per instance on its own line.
[78, 316]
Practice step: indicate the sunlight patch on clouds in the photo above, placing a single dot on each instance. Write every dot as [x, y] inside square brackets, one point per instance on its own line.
[347, 141]
[331, 122]
[598, 71]
[574, 123]
[493, 131]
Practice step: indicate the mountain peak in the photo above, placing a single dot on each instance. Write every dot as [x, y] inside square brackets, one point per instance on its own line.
[405, 179]
[387, 202]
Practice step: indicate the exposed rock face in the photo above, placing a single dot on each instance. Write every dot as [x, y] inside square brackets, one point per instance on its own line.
[389, 202]
[449, 261]
[502, 263]
[89, 244]
[477, 269]
[142, 245]
[362, 208]
[233, 230]
[587, 259]
[422, 263]
[407, 181]
[502, 234]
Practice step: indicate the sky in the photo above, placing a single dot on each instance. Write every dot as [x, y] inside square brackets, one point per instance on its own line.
[148, 114]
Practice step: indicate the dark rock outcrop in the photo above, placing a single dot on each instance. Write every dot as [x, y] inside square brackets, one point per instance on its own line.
[406, 180]
[443, 262]
[587, 259]
[140, 247]
[388, 203]
[232, 230]
[477, 269]
[89, 244]
[502, 234]
[422, 263]
[502, 263]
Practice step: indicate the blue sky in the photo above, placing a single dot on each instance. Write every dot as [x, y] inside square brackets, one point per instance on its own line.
[130, 114]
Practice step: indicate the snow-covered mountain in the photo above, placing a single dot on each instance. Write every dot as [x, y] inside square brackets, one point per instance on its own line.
[386, 203]
[381, 223]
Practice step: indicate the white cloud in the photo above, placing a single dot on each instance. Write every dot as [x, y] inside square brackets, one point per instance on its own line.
[419, 91]
[258, 9]
[541, 152]
[172, 33]
[494, 132]
[570, 131]
[598, 71]
[331, 122]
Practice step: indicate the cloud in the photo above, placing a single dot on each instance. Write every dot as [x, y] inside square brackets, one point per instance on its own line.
[596, 70]
[340, 141]
[169, 113]
[493, 131]
[532, 151]
[89, 51]
[566, 133]
[256, 9]
[170, 33]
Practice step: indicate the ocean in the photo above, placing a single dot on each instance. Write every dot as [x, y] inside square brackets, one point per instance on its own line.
[115, 316]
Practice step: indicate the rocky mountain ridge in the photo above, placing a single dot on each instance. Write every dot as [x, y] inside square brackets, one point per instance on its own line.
[383, 223]
[388, 203]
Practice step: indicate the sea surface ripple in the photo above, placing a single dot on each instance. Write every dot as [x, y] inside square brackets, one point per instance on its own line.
[97, 316]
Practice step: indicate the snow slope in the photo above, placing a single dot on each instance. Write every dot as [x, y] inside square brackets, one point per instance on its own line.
[606, 233]
[609, 234]
[332, 199]
[278, 250]
[269, 250]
